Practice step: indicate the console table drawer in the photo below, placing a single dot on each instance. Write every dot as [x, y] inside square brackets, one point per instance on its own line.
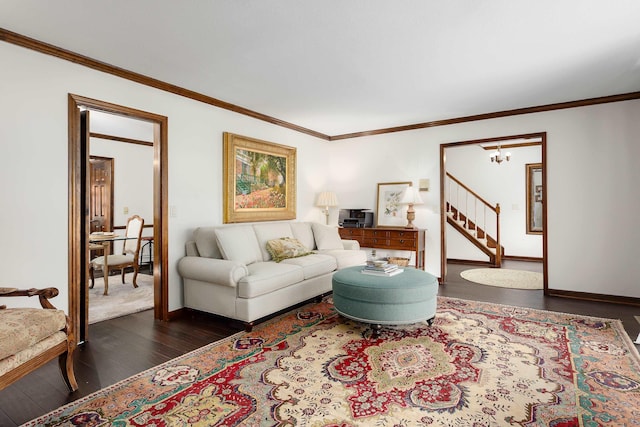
[402, 243]
[373, 233]
[402, 234]
[351, 233]
[370, 242]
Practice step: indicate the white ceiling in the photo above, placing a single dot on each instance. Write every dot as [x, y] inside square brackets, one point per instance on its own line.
[340, 66]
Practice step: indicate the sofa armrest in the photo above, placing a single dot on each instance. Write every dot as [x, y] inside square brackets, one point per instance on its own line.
[212, 270]
[352, 245]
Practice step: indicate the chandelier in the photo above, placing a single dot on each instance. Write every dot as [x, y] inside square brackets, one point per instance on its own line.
[498, 156]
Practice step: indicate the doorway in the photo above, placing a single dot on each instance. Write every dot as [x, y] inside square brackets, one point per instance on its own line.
[79, 197]
[525, 141]
[120, 187]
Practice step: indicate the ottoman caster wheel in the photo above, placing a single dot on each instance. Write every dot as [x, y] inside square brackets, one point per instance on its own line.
[430, 321]
[375, 331]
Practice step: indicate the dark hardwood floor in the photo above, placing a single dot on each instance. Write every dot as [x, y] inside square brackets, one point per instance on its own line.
[122, 347]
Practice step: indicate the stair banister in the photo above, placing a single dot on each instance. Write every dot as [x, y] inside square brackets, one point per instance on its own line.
[471, 191]
[475, 215]
[484, 222]
[466, 208]
[487, 205]
[449, 198]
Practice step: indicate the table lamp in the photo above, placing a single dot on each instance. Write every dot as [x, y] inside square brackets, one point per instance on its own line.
[327, 199]
[410, 197]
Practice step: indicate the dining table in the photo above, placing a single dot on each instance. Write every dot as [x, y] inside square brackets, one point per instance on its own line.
[102, 241]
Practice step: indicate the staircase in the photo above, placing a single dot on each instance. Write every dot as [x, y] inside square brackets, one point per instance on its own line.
[474, 218]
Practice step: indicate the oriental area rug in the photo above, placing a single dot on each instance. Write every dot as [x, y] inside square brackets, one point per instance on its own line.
[479, 364]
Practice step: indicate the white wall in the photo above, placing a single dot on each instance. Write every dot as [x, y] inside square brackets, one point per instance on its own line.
[34, 164]
[592, 174]
[592, 179]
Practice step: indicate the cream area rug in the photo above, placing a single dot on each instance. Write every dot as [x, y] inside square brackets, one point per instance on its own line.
[123, 299]
[504, 278]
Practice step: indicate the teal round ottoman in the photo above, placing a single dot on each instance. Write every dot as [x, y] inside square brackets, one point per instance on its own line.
[408, 297]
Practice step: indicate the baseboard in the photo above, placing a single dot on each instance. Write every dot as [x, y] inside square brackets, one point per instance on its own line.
[487, 263]
[176, 314]
[469, 262]
[587, 296]
[521, 258]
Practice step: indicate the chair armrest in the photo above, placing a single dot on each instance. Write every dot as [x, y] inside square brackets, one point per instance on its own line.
[353, 245]
[212, 270]
[43, 295]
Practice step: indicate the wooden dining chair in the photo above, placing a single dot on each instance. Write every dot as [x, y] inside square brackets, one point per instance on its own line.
[129, 256]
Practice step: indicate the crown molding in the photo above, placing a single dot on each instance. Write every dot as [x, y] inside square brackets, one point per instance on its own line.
[48, 49]
[67, 55]
[498, 114]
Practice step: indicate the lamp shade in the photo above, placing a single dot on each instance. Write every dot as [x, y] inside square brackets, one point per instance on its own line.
[411, 196]
[327, 198]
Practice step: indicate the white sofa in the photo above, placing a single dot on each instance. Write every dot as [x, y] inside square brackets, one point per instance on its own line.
[229, 271]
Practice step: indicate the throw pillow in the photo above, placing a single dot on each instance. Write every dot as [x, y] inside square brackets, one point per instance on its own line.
[303, 232]
[239, 243]
[268, 231]
[326, 237]
[286, 247]
[206, 244]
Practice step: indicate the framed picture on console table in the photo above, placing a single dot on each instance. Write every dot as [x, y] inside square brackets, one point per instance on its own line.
[390, 213]
[259, 180]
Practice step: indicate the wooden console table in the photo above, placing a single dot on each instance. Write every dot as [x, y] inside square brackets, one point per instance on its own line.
[404, 239]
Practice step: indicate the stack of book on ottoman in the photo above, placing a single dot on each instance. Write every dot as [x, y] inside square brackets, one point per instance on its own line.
[381, 268]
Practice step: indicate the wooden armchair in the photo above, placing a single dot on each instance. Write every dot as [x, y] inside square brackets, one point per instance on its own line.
[31, 337]
[129, 258]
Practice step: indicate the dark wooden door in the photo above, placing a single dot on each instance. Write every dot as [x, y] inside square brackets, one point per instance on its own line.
[101, 194]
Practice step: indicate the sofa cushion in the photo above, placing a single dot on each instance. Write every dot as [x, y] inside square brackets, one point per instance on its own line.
[269, 231]
[205, 239]
[303, 232]
[314, 265]
[266, 277]
[21, 328]
[238, 243]
[346, 258]
[326, 237]
[286, 247]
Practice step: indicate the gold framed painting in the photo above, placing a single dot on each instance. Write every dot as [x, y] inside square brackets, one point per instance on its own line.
[259, 180]
[390, 212]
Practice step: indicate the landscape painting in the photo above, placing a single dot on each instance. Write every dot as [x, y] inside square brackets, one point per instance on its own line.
[259, 180]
